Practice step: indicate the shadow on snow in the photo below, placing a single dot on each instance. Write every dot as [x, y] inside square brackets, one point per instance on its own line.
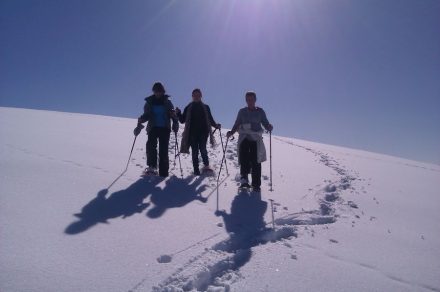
[218, 266]
[125, 203]
[245, 223]
[176, 193]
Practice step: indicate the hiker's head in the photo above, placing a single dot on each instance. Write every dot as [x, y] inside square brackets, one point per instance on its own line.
[158, 89]
[197, 95]
[251, 99]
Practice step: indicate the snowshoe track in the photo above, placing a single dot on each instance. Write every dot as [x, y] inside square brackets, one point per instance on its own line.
[218, 267]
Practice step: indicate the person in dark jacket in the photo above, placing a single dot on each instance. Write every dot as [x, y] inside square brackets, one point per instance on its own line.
[198, 121]
[159, 113]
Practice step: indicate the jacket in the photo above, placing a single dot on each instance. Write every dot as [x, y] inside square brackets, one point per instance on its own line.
[148, 115]
[198, 121]
[248, 124]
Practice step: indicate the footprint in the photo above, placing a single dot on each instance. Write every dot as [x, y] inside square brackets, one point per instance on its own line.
[331, 197]
[352, 204]
[164, 259]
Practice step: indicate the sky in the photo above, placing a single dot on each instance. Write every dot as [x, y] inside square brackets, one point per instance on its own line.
[360, 74]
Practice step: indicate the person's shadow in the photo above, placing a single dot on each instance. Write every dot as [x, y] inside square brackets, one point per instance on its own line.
[123, 203]
[176, 193]
[245, 224]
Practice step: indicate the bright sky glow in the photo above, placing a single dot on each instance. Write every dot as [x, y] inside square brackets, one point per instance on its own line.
[362, 74]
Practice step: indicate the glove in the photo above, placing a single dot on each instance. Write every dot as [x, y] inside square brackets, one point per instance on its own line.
[218, 126]
[138, 129]
[229, 134]
[270, 128]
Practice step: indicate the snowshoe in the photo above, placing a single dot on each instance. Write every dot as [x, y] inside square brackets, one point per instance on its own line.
[207, 170]
[256, 189]
[244, 186]
[150, 171]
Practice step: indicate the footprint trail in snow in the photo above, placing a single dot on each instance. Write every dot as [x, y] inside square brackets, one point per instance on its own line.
[218, 267]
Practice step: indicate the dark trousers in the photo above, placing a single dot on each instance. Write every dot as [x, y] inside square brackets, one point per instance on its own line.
[163, 136]
[249, 161]
[198, 143]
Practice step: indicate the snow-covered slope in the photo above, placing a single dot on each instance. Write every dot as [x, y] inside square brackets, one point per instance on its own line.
[345, 220]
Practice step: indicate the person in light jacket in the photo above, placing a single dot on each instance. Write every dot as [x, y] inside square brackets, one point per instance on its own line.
[251, 150]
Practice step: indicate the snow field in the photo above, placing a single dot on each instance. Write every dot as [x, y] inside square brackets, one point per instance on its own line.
[72, 220]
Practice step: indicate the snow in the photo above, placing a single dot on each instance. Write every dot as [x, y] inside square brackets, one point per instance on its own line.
[71, 220]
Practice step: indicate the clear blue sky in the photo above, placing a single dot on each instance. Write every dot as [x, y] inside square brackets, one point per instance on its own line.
[362, 74]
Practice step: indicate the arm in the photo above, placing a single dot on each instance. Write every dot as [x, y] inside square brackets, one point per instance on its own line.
[182, 116]
[144, 117]
[236, 125]
[265, 121]
[173, 116]
[211, 119]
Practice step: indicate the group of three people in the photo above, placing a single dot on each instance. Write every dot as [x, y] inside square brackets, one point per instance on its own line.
[163, 118]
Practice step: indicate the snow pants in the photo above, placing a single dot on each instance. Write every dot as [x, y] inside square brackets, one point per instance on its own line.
[163, 136]
[249, 161]
[198, 143]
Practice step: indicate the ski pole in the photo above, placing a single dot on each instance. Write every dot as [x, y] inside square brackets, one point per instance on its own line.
[217, 196]
[219, 172]
[273, 217]
[178, 155]
[175, 154]
[131, 152]
[223, 159]
[224, 150]
[270, 162]
[126, 167]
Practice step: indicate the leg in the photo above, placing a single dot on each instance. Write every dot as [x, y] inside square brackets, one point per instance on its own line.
[244, 159]
[195, 154]
[256, 167]
[202, 146]
[256, 175]
[152, 148]
[164, 140]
